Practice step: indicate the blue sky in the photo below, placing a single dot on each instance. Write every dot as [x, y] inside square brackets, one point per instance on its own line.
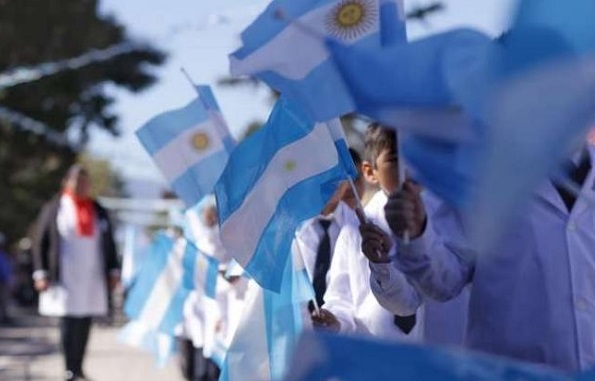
[198, 35]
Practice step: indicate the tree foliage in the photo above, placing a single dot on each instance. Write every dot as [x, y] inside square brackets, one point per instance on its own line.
[105, 180]
[72, 102]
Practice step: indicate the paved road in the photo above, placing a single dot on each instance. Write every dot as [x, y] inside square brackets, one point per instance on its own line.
[29, 351]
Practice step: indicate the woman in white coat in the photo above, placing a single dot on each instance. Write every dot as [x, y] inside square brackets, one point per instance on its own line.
[75, 264]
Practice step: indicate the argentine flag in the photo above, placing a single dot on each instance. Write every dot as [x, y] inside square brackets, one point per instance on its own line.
[271, 323]
[173, 267]
[189, 145]
[281, 175]
[200, 271]
[285, 47]
[326, 356]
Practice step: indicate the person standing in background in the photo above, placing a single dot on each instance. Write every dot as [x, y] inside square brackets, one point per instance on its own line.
[75, 263]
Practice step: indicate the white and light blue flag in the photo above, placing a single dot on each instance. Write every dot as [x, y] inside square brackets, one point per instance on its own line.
[285, 47]
[200, 271]
[281, 175]
[190, 146]
[325, 356]
[173, 267]
[263, 345]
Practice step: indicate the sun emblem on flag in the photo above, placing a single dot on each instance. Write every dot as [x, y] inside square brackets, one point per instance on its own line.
[200, 141]
[290, 165]
[350, 19]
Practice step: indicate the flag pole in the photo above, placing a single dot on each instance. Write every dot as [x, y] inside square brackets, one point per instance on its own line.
[194, 86]
[188, 78]
[359, 209]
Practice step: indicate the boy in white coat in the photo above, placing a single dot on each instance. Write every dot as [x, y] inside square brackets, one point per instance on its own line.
[362, 255]
[532, 296]
[350, 306]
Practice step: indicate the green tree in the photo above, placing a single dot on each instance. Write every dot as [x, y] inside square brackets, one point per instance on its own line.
[105, 180]
[69, 103]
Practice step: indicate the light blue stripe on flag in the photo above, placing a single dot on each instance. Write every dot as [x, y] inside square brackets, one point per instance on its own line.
[280, 176]
[189, 145]
[392, 26]
[285, 48]
[324, 356]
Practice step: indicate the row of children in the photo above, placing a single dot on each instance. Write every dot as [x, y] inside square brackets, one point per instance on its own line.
[531, 298]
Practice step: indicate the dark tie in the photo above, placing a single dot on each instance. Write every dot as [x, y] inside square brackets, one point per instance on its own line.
[405, 323]
[577, 174]
[323, 262]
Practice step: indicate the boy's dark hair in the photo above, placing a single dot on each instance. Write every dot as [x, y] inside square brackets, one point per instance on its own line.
[378, 138]
[355, 156]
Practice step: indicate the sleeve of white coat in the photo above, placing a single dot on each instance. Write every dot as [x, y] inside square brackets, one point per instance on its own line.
[439, 263]
[393, 290]
[338, 297]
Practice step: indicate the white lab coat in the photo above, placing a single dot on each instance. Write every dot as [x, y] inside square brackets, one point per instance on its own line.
[310, 232]
[349, 296]
[532, 297]
[82, 290]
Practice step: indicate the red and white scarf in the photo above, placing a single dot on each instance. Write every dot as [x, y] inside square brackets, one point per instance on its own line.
[85, 214]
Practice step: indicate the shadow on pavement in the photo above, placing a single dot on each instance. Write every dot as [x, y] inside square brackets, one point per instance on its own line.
[25, 339]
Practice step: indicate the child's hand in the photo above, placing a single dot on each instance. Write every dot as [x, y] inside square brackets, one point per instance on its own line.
[405, 211]
[325, 320]
[375, 243]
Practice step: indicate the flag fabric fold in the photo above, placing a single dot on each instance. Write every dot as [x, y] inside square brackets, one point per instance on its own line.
[271, 324]
[281, 175]
[285, 47]
[525, 96]
[173, 267]
[158, 295]
[324, 356]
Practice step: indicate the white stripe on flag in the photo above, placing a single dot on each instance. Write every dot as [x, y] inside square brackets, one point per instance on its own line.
[166, 286]
[307, 157]
[182, 153]
[305, 39]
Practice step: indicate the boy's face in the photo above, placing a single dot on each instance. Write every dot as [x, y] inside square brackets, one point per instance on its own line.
[385, 172]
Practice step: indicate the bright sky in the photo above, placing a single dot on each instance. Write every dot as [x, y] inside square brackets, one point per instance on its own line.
[198, 35]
